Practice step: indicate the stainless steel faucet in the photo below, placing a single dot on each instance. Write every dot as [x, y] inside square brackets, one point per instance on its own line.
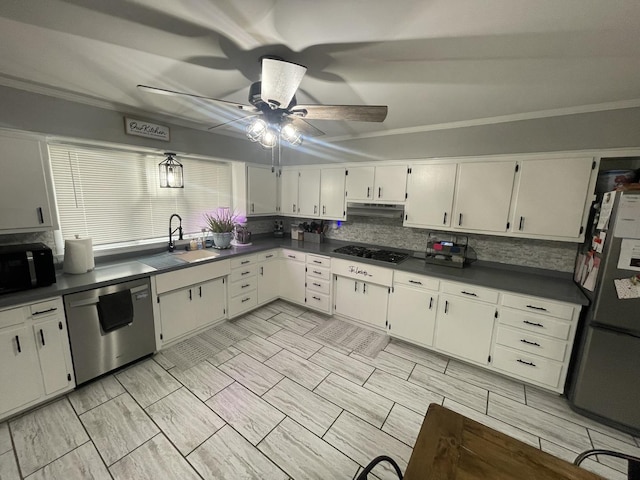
[172, 245]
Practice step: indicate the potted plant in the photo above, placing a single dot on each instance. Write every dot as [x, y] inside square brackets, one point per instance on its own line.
[221, 224]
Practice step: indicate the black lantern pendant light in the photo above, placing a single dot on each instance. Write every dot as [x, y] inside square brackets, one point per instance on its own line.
[171, 172]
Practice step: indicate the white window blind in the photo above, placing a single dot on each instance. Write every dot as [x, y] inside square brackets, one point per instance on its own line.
[114, 196]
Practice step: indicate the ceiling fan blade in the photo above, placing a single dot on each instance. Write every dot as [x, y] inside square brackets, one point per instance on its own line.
[233, 121]
[173, 93]
[305, 128]
[359, 113]
[280, 80]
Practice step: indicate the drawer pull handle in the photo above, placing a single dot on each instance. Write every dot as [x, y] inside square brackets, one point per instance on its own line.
[317, 261]
[42, 337]
[531, 364]
[291, 256]
[245, 286]
[533, 307]
[245, 299]
[245, 273]
[469, 293]
[190, 295]
[268, 256]
[45, 311]
[244, 262]
[535, 344]
[430, 303]
[317, 284]
[446, 306]
[317, 272]
[533, 324]
[316, 298]
[18, 344]
[415, 281]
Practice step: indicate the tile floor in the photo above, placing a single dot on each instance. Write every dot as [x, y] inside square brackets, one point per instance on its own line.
[276, 404]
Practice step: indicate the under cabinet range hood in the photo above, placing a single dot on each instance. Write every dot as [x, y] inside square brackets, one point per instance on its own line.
[375, 210]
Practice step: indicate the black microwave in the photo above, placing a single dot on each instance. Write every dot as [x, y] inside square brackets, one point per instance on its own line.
[26, 266]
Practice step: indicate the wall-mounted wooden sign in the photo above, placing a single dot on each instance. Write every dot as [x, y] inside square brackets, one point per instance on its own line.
[146, 129]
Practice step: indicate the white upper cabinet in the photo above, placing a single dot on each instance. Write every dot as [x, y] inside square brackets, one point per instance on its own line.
[550, 197]
[24, 195]
[483, 196]
[289, 192]
[262, 190]
[383, 184]
[430, 190]
[332, 185]
[309, 192]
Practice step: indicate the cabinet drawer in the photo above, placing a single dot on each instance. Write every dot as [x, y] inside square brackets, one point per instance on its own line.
[318, 272]
[470, 291]
[539, 324]
[531, 343]
[526, 366]
[44, 309]
[242, 286]
[318, 301]
[165, 282]
[319, 261]
[243, 302]
[269, 255]
[318, 285]
[15, 316]
[242, 273]
[293, 255]
[243, 261]
[538, 305]
[418, 281]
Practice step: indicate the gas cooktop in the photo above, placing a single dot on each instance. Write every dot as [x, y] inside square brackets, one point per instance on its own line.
[388, 256]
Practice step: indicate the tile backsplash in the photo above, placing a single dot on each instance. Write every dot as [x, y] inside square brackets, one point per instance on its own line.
[31, 237]
[549, 255]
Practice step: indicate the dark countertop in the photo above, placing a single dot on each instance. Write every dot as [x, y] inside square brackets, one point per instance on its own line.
[524, 280]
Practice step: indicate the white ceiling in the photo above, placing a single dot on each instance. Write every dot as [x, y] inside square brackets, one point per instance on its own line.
[435, 63]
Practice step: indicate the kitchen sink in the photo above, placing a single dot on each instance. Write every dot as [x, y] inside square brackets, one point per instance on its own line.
[179, 257]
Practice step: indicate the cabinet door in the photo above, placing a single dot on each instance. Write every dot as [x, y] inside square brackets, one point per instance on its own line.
[412, 314]
[262, 191]
[178, 313]
[53, 351]
[332, 193]
[309, 193]
[483, 195]
[348, 297]
[551, 196]
[375, 299]
[464, 328]
[211, 302]
[359, 183]
[430, 190]
[20, 375]
[268, 281]
[390, 183]
[292, 278]
[24, 201]
[289, 192]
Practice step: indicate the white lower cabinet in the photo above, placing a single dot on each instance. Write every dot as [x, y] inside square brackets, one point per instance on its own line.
[268, 276]
[464, 328]
[362, 301]
[412, 308]
[35, 358]
[292, 276]
[317, 284]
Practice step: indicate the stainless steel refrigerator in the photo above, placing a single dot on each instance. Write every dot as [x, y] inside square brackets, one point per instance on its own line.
[605, 378]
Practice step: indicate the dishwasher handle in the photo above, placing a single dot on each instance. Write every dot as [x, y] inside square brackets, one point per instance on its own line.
[95, 300]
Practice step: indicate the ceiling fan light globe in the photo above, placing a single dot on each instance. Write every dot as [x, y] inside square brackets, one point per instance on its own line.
[256, 130]
[269, 138]
[291, 134]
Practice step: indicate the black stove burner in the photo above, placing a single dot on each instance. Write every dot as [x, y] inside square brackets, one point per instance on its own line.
[381, 255]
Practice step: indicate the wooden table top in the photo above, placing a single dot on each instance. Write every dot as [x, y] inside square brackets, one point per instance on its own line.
[451, 446]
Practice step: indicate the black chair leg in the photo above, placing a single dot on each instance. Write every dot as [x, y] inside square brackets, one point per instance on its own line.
[382, 458]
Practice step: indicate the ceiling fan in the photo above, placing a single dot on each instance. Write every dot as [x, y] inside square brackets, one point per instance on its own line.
[277, 114]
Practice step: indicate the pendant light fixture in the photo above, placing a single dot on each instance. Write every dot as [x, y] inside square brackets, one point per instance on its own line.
[170, 172]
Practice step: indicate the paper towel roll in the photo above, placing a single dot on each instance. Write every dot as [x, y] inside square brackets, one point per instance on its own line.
[78, 255]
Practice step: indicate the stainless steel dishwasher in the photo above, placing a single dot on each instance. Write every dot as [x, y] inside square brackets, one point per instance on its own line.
[104, 334]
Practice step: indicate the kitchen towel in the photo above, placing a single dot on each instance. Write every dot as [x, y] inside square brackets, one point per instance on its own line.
[115, 310]
[78, 255]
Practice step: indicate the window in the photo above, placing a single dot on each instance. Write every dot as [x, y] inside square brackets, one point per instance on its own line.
[114, 196]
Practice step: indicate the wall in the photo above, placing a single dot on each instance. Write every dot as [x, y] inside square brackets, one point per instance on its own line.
[386, 232]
